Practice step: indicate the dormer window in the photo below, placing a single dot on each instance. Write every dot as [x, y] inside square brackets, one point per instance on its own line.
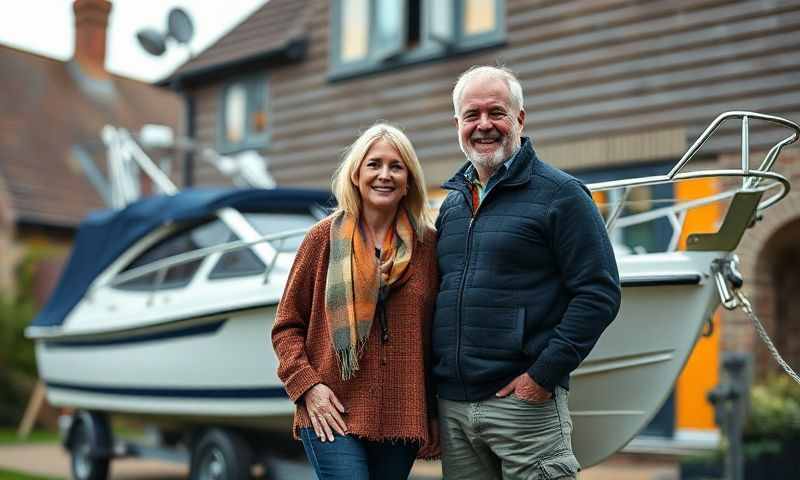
[370, 35]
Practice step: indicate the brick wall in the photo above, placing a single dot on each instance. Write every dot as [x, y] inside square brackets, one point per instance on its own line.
[764, 252]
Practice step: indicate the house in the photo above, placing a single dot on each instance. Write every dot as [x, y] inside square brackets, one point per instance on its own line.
[614, 89]
[50, 148]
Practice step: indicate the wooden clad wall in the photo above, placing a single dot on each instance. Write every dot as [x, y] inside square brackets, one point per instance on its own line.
[606, 82]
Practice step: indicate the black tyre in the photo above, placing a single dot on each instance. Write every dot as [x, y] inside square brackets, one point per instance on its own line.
[89, 446]
[221, 455]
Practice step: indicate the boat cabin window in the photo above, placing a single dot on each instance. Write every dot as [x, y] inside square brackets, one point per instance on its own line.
[272, 223]
[237, 263]
[202, 236]
[244, 262]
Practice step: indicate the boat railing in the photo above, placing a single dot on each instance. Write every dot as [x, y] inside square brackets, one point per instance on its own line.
[160, 267]
[760, 179]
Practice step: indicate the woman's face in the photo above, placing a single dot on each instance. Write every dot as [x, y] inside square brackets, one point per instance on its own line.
[382, 178]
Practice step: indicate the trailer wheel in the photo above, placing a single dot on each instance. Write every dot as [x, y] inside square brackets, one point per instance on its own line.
[89, 446]
[221, 454]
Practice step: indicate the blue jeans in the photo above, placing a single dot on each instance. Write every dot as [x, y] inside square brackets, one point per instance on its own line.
[357, 459]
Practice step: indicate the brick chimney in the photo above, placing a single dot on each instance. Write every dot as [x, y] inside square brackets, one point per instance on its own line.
[91, 20]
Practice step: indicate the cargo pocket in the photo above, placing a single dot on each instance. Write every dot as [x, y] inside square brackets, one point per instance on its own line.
[564, 465]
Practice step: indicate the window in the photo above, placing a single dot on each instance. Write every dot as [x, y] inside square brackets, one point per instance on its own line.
[237, 263]
[272, 223]
[206, 235]
[243, 115]
[244, 262]
[370, 35]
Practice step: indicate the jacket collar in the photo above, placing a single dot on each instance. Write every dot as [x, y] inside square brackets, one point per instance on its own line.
[521, 170]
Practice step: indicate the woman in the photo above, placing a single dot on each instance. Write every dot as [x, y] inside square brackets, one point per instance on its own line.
[352, 330]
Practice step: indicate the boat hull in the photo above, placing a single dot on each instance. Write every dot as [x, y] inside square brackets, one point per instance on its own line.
[216, 366]
[631, 371]
[221, 368]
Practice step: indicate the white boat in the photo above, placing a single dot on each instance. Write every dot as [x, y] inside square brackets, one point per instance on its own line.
[165, 307]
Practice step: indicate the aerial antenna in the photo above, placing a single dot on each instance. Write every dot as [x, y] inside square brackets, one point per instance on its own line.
[179, 28]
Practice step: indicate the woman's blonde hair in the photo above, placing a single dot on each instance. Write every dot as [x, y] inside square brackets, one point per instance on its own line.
[345, 179]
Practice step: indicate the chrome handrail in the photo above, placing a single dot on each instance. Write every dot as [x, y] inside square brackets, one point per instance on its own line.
[751, 178]
[179, 259]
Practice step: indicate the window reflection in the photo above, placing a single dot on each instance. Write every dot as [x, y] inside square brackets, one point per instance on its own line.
[479, 16]
[372, 33]
[235, 113]
[355, 29]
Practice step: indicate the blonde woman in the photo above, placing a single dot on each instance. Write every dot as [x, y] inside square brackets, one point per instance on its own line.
[352, 332]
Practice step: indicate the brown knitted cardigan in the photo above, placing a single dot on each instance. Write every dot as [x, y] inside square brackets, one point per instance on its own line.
[387, 397]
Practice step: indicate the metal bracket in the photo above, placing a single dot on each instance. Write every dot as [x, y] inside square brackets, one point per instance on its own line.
[727, 279]
[739, 216]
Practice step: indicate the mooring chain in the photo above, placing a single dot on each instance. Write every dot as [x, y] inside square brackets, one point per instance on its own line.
[762, 332]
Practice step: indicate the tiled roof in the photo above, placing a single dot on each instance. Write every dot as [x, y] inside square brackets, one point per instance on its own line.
[271, 28]
[44, 112]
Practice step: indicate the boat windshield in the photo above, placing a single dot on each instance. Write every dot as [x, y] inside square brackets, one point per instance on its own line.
[272, 223]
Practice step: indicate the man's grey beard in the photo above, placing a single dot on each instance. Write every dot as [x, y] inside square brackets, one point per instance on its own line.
[501, 155]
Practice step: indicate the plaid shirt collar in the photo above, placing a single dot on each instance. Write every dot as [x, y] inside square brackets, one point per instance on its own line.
[478, 189]
[472, 174]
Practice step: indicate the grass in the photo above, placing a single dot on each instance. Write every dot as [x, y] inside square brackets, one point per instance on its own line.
[8, 436]
[11, 475]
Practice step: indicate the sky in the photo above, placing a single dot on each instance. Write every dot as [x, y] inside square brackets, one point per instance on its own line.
[47, 27]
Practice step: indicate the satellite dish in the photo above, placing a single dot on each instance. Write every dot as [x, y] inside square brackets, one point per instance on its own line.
[152, 41]
[179, 25]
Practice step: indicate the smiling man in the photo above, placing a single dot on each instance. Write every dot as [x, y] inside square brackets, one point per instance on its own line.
[528, 284]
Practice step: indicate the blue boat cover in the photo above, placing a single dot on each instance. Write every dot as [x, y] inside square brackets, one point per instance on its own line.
[105, 234]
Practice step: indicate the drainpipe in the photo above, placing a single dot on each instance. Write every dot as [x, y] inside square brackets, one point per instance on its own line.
[188, 159]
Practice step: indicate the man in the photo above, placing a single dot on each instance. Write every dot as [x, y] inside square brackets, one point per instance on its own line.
[528, 284]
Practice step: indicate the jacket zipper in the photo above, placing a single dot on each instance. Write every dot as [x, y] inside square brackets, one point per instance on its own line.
[460, 301]
[467, 254]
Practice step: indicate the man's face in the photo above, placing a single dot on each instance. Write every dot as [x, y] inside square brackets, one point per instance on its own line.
[489, 130]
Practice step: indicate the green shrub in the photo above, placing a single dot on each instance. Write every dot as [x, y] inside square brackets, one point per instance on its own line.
[17, 360]
[774, 409]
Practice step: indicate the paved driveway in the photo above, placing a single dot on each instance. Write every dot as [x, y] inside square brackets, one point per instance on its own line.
[52, 461]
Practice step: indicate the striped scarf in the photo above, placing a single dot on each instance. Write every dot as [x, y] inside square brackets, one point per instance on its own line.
[356, 279]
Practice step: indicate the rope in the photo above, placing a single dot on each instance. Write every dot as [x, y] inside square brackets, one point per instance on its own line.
[762, 332]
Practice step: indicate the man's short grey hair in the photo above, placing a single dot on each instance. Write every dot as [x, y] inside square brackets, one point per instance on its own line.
[503, 73]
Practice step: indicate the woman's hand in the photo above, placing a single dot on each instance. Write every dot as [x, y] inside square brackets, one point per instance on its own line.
[325, 411]
[432, 448]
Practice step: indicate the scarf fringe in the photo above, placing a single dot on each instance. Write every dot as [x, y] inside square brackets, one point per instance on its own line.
[348, 362]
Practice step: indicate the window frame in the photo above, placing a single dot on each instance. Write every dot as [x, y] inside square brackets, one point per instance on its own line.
[224, 275]
[253, 84]
[429, 48]
[151, 287]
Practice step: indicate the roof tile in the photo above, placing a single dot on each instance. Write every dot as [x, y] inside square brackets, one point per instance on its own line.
[271, 27]
[44, 113]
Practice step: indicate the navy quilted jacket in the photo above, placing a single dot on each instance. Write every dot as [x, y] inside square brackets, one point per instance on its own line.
[527, 284]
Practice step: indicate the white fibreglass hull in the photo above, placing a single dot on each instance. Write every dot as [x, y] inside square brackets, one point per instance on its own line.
[223, 368]
[629, 374]
[218, 366]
